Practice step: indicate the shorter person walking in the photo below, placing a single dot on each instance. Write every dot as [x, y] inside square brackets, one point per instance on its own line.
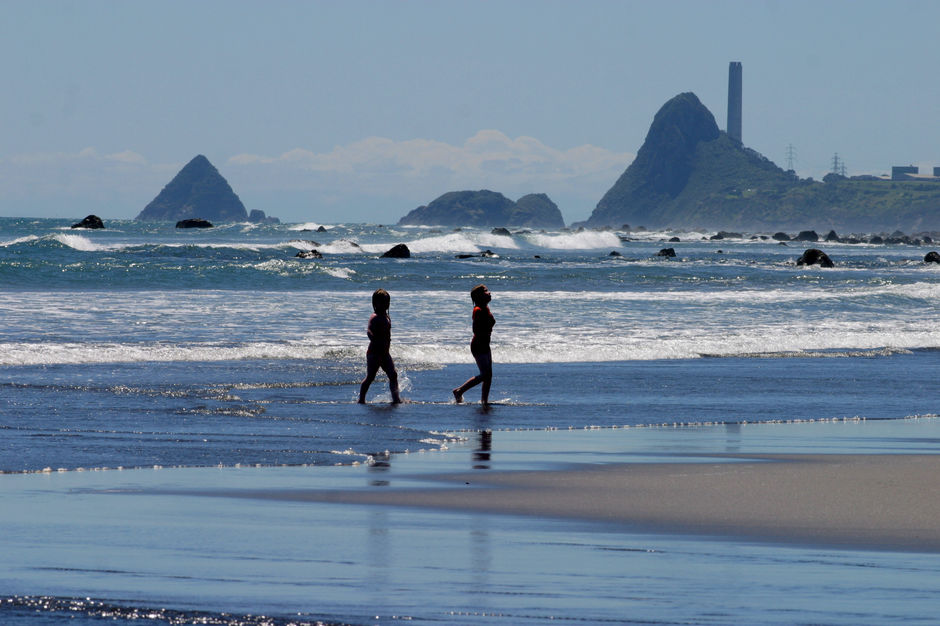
[483, 322]
[380, 340]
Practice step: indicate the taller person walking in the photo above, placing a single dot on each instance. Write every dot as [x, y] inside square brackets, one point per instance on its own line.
[483, 322]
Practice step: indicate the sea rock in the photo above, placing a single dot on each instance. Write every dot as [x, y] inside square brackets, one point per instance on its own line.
[194, 223]
[501, 231]
[309, 254]
[667, 252]
[257, 216]
[536, 210]
[932, 257]
[92, 221]
[814, 256]
[614, 253]
[807, 235]
[876, 239]
[674, 240]
[198, 190]
[399, 251]
[725, 235]
[486, 208]
[781, 236]
[832, 236]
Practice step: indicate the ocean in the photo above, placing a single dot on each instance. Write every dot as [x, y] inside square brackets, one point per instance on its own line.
[143, 349]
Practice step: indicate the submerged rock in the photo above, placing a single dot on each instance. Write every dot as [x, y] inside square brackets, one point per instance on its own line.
[92, 221]
[399, 251]
[309, 254]
[814, 256]
[194, 223]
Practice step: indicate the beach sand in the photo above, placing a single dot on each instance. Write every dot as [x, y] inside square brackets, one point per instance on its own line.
[859, 501]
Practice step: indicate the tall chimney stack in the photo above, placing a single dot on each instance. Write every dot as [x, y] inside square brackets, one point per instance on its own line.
[734, 101]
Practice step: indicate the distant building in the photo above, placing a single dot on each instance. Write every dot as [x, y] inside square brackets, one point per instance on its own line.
[912, 172]
[734, 100]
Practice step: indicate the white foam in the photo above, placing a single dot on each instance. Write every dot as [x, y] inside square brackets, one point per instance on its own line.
[18, 240]
[339, 272]
[342, 246]
[307, 226]
[84, 244]
[586, 240]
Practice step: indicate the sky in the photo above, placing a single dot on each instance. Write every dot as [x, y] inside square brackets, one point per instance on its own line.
[359, 111]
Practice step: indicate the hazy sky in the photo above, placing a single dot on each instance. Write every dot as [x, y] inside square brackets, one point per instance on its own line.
[362, 110]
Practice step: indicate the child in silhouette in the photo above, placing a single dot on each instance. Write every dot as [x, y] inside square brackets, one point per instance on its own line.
[483, 322]
[380, 339]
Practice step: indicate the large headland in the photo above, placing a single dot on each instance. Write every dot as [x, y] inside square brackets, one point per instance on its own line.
[690, 174]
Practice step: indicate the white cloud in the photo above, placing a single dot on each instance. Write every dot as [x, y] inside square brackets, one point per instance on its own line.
[374, 178]
[422, 169]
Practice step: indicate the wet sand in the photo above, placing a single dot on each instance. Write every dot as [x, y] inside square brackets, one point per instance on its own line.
[860, 501]
[676, 525]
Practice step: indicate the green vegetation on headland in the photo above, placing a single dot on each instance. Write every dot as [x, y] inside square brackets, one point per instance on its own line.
[689, 174]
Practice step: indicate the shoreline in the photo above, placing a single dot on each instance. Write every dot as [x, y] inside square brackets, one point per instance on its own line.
[854, 501]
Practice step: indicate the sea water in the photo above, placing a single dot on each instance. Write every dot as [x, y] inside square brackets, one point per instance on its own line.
[143, 346]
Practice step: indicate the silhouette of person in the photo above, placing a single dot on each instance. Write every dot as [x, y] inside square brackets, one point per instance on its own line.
[483, 323]
[380, 340]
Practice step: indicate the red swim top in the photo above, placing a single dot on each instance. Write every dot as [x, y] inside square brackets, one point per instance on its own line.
[483, 322]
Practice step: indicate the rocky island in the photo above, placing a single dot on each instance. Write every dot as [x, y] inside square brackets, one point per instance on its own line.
[486, 208]
[198, 191]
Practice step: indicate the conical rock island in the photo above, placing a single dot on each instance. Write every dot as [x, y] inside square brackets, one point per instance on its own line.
[197, 191]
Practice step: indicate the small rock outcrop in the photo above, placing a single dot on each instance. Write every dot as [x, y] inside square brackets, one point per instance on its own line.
[198, 190]
[667, 252]
[807, 235]
[781, 236]
[194, 223]
[814, 256]
[399, 251]
[309, 254]
[92, 221]
[833, 236]
[932, 257]
[501, 231]
[257, 216]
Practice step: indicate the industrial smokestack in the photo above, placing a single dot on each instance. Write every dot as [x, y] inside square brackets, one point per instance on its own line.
[734, 100]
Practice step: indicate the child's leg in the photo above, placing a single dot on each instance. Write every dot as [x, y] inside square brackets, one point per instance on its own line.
[485, 362]
[389, 367]
[372, 368]
[459, 391]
